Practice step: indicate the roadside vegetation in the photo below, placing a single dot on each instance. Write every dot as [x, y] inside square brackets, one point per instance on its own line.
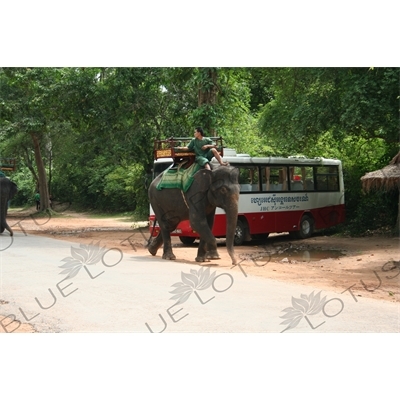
[84, 136]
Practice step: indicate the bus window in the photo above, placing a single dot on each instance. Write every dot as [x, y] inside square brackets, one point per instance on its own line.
[274, 179]
[301, 178]
[248, 179]
[159, 167]
[327, 178]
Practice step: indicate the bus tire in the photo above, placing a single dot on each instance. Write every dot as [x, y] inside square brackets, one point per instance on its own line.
[187, 239]
[261, 236]
[306, 227]
[240, 233]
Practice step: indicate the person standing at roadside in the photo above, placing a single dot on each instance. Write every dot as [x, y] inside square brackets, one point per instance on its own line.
[37, 199]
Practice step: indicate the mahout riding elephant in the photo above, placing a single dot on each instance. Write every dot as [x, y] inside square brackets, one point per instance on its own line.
[8, 190]
[210, 189]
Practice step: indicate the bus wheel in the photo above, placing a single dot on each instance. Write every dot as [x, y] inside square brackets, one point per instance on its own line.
[306, 227]
[187, 239]
[239, 234]
[261, 236]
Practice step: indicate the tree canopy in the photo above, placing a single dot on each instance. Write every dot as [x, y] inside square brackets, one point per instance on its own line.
[86, 135]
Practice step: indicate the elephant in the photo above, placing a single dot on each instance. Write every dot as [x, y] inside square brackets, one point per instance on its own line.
[218, 187]
[8, 190]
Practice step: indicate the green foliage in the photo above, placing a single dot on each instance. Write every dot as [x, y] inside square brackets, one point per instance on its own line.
[348, 101]
[347, 113]
[374, 211]
[359, 156]
[97, 126]
[245, 138]
[124, 188]
[26, 187]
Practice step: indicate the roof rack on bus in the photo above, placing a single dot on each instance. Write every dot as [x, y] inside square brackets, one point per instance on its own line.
[168, 148]
[8, 164]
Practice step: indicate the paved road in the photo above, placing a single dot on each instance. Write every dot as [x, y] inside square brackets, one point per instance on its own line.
[116, 292]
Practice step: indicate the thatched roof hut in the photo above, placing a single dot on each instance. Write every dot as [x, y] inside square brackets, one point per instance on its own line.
[387, 178]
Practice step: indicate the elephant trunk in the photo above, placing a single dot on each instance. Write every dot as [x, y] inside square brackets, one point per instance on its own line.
[231, 221]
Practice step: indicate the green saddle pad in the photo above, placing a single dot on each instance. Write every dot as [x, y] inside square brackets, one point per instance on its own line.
[178, 178]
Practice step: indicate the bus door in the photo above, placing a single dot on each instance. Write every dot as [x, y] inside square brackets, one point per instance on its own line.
[252, 210]
[274, 181]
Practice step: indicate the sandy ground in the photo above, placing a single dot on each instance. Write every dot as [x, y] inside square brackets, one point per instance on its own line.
[366, 266]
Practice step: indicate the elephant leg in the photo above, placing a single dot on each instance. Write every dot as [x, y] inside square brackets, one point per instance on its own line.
[3, 222]
[8, 191]
[201, 251]
[162, 238]
[167, 253]
[212, 252]
[154, 244]
[207, 249]
[4, 225]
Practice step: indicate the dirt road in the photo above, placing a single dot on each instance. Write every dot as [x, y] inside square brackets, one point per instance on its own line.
[370, 265]
[366, 266]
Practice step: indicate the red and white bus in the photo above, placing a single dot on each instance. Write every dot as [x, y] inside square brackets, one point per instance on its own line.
[294, 194]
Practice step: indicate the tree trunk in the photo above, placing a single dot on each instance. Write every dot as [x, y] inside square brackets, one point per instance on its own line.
[208, 91]
[28, 162]
[43, 189]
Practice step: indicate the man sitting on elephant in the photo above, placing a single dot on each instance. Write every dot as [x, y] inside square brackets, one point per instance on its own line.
[204, 149]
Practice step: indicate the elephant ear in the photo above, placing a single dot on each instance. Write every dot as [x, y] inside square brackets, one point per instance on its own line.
[234, 175]
[202, 180]
[197, 193]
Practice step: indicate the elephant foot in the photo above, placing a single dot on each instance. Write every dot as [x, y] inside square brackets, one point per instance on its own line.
[8, 229]
[213, 255]
[201, 259]
[152, 249]
[153, 245]
[169, 256]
